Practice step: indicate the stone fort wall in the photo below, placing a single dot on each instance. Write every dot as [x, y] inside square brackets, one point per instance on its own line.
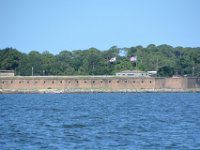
[96, 82]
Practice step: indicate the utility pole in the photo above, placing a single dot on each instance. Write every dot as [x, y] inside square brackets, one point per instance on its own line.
[107, 66]
[136, 65]
[93, 68]
[43, 72]
[32, 71]
[193, 71]
[15, 72]
[157, 64]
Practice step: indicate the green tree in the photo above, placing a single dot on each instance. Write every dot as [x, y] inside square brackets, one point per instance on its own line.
[10, 59]
[166, 71]
[123, 64]
[163, 58]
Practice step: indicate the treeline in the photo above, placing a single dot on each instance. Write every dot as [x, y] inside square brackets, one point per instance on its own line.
[167, 60]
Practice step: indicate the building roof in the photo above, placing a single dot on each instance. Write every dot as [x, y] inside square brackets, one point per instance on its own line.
[6, 71]
[131, 71]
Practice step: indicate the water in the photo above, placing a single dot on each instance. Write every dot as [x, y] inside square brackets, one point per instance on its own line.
[100, 121]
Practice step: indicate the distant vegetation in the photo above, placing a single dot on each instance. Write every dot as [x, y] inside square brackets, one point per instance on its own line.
[167, 60]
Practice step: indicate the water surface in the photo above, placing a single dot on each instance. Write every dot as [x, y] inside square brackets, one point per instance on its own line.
[100, 121]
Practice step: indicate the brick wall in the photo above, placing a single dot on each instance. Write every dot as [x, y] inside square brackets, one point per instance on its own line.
[193, 83]
[171, 83]
[111, 83]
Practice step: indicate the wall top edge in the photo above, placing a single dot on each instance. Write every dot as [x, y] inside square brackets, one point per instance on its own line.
[85, 77]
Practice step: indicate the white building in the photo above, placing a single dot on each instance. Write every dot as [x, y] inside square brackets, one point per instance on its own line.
[152, 73]
[136, 73]
[7, 73]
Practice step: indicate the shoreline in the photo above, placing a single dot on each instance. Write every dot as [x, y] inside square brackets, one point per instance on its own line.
[79, 91]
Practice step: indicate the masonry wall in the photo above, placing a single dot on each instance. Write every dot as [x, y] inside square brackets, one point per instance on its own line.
[171, 83]
[104, 83]
[193, 83]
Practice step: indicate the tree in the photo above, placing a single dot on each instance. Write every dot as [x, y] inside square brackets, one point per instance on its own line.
[166, 71]
[169, 60]
[123, 64]
[10, 59]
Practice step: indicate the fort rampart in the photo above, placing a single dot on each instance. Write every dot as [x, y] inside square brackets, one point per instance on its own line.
[103, 83]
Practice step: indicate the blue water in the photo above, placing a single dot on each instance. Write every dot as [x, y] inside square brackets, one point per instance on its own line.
[100, 121]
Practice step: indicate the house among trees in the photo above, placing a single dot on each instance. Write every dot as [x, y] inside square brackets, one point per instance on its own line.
[136, 73]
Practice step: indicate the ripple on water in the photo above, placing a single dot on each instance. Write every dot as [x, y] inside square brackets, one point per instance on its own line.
[100, 121]
[72, 126]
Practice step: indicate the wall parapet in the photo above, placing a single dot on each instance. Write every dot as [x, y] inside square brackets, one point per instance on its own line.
[109, 83]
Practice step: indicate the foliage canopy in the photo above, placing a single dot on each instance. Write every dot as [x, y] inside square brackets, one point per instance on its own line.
[167, 60]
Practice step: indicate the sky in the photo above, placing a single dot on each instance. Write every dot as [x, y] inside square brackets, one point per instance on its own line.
[56, 25]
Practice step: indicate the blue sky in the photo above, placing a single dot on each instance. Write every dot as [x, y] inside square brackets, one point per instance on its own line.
[56, 25]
